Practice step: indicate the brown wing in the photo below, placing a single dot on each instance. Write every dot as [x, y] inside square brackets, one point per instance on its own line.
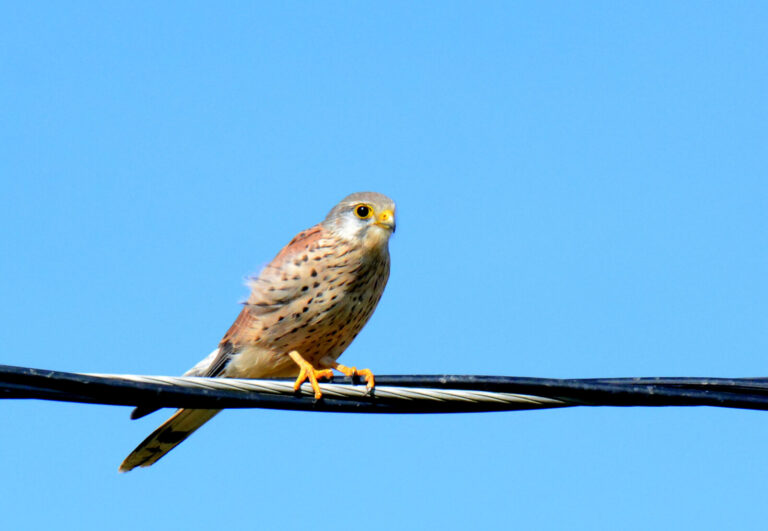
[278, 284]
[243, 322]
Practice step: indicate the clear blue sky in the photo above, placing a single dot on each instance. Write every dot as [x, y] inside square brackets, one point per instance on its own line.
[582, 191]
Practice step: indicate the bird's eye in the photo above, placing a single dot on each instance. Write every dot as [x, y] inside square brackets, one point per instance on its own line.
[363, 211]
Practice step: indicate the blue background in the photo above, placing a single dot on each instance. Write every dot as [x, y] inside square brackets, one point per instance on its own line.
[581, 189]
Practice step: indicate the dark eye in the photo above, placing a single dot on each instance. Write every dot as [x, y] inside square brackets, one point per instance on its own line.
[363, 211]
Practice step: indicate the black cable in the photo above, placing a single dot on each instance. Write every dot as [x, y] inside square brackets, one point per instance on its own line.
[745, 393]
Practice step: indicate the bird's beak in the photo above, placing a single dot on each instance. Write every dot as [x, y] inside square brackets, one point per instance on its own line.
[386, 220]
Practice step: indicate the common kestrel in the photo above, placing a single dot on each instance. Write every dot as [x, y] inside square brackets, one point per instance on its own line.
[304, 310]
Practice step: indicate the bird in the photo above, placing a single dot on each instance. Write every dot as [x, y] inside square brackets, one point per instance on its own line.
[304, 309]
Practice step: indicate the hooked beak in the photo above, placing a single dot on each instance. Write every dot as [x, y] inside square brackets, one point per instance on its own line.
[386, 220]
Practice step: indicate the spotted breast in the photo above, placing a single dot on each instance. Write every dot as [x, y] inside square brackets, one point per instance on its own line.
[314, 298]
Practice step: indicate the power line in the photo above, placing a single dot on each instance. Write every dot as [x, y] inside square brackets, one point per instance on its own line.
[393, 394]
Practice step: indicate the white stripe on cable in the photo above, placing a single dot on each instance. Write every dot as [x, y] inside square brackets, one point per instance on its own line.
[339, 391]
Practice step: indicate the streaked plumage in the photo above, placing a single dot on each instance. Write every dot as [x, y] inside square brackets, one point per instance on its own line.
[312, 299]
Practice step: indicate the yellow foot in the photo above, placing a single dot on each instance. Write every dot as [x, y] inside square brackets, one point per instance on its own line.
[308, 372]
[352, 372]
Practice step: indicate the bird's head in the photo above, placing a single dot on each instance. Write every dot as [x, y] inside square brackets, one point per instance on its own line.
[367, 217]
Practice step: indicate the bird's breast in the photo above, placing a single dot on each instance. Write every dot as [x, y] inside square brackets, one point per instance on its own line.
[336, 297]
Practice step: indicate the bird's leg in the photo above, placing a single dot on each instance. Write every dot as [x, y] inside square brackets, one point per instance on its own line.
[308, 372]
[353, 372]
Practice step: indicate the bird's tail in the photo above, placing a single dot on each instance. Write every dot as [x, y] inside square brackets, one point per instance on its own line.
[165, 438]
